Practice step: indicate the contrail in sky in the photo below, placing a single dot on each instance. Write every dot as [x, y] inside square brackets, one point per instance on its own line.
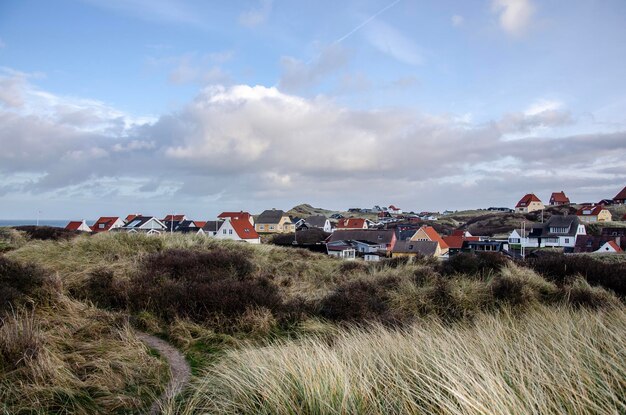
[369, 19]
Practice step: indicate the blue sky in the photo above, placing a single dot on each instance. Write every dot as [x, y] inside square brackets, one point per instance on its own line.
[202, 106]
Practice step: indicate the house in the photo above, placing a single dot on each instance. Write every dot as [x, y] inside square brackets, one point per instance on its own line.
[200, 223]
[620, 198]
[558, 199]
[107, 223]
[238, 230]
[211, 227]
[274, 221]
[318, 221]
[610, 247]
[529, 203]
[557, 232]
[456, 240]
[428, 233]
[352, 223]
[379, 239]
[185, 226]
[236, 215]
[144, 224]
[174, 218]
[486, 246]
[131, 217]
[394, 210]
[336, 216]
[415, 248]
[592, 214]
[78, 226]
[592, 243]
[341, 249]
[606, 202]
[500, 209]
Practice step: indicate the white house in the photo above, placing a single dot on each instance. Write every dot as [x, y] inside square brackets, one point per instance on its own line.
[557, 232]
[144, 224]
[238, 230]
[78, 226]
[610, 247]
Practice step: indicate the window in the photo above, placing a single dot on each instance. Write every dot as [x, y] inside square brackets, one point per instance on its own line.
[380, 237]
[224, 231]
[230, 231]
[271, 227]
[101, 226]
[566, 240]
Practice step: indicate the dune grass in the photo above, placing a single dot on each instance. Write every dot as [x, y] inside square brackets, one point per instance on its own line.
[549, 360]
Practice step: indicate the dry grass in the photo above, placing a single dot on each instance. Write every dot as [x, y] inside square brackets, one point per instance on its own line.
[550, 360]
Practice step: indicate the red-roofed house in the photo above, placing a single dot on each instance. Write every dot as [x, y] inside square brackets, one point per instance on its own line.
[351, 223]
[200, 223]
[558, 199]
[107, 223]
[78, 226]
[174, 218]
[239, 229]
[529, 203]
[394, 210]
[591, 214]
[611, 247]
[455, 241]
[237, 215]
[621, 197]
[132, 217]
[428, 233]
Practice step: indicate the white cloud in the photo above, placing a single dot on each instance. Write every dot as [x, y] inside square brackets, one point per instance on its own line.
[256, 16]
[457, 20]
[390, 41]
[514, 15]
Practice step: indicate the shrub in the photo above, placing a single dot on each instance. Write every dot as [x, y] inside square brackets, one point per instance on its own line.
[104, 289]
[199, 285]
[472, 264]
[359, 300]
[20, 284]
[564, 268]
[45, 233]
[20, 340]
[349, 267]
[394, 262]
[581, 294]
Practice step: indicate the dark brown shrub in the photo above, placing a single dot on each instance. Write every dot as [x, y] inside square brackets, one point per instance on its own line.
[510, 290]
[104, 290]
[396, 262]
[359, 300]
[581, 294]
[473, 264]
[48, 232]
[20, 284]
[349, 267]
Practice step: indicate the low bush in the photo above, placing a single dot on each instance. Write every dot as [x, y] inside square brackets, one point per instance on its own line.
[45, 233]
[473, 264]
[563, 269]
[20, 284]
[104, 289]
[200, 285]
[20, 341]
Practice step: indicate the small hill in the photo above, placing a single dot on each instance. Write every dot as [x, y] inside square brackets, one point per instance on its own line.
[305, 210]
[496, 223]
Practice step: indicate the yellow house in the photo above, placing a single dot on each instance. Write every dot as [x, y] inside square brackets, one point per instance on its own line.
[428, 233]
[414, 248]
[591, 214]
[529, 203]
[274, 221]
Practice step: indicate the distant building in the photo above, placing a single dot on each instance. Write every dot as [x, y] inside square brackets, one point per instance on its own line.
[144, 224]
[558, 199]
[529, 203]
[238, 230]
[274, 221]
[557, 232]
[416, 248]
[107, 223]
[428, 233]
[592, 214]
[236, 216]
[620, 198]
[352, 223]
[78, 226]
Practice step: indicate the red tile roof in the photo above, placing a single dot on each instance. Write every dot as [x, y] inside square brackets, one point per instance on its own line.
[73, 225]
[132, 217]
[235, 215]
[176, 218]
[108, 221]
[351, 223]
[199, 223]
[525, 201]
[615, 246]
[434, 236]
[243, 228]
[591, 210]
[559, 197]
[621, 195]
[456, 242]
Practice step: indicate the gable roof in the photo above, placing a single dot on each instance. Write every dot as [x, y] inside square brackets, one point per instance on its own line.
[527, 199]
[200, 223]
[426, 248]
[131, 217]
[590, 210]
[74, 225]
[317, 221]
[212, 225]
[559, 197]
[107, 221]
[350, 223]
[234, 215]
[569, 223]
[456, 241]
[621, 195]
[433, 235]
[139, 221]
[175, 218]
[244, 229]
[615, 246]
[377, 236]
[270, 216]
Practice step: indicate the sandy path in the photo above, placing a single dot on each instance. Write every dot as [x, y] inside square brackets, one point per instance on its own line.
[180, 370]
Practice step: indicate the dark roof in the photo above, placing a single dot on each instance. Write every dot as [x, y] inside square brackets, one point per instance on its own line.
[621, 195]
[379, 236]
[406, 234]
[591, 243]
[139, 221]
[270, 216]
[426, 248]
[590, 210]
[212, 226]
[317, 221]
[542, 230]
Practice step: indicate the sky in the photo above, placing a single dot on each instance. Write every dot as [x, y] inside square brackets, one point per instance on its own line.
[109, 107]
